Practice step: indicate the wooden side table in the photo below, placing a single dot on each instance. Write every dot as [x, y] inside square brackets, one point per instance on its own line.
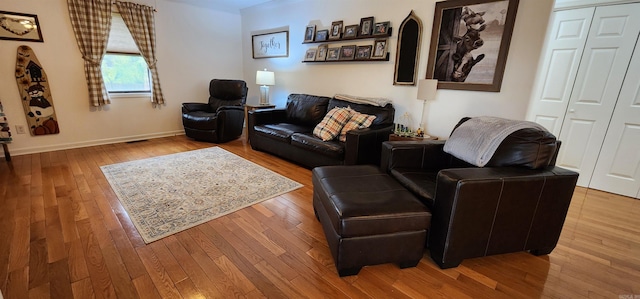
[394, 137]
[5, 147]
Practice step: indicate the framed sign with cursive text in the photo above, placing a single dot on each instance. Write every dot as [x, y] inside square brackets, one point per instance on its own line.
[268, 45]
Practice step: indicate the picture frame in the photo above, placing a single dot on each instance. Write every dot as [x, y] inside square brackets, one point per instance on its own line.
[310, 55]
[351, 31]
[321, 54]
[20, 27]
[363, 52]
[333, 54]
[269, 45]
[366, 26]
[381, 28]
[309, 33]
[483, 66]
[348, 52]
[379, 50]
[336, 30]
[322, 35]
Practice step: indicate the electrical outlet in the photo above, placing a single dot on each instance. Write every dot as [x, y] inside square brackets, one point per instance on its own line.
[20, 129]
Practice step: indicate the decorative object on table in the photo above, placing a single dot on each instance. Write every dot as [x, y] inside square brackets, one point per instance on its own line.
[366, 26]
[168, 194]
[322, 35]
[321, 54]
[363, 52]
[269, 45]
[408, 49]
[426, 92]
[20, 26]
[381, 28]
[333, 53]
[336, 30]
[350, 31]
[310, 55]
[35, 94]
[470, 42]
[347, 52]
[403, 126]
[379, 49]
[265, 79]
[309, 33]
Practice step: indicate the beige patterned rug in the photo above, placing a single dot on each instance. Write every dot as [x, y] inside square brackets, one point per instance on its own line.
[168, 194]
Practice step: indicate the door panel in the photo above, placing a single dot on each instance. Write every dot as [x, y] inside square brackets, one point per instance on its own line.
[610, 44]
[565, 44]
[618, 167]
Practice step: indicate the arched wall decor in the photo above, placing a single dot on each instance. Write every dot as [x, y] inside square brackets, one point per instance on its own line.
[407, 54]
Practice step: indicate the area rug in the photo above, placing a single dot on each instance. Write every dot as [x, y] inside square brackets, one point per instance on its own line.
[168, 194]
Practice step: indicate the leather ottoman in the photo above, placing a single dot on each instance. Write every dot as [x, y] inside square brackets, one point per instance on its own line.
[368, 218]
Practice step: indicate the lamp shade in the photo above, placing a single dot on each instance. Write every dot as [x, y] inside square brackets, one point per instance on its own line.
[427, 89]
[265, 78]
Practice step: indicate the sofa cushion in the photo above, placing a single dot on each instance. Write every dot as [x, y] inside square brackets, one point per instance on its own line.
[333, 149]
[306, 110]
[420, 182]
[281, 132]
[384, 115]
[332, 123]
[357, 121]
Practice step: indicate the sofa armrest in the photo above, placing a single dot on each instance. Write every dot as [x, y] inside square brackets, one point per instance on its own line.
[426, 155]
[362, 146]
[190, 107]
[486, 211]
[266, 116]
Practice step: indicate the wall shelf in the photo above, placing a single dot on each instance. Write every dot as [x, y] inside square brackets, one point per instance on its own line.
[352, 38]
[352, 60]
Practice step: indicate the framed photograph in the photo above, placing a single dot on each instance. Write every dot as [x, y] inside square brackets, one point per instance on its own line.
[363, 52]
[309, 33]
[20, 26]
[322, 35]
[269, 45]
[348, 52]
[350, 31]
[366, 26]
[470, 42]
[333, 53]
[336, 30]
[379, 49]
[310, 55]
[321, 55]
[381, 28]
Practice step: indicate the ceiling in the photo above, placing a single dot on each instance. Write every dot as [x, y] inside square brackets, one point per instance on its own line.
[224, 5]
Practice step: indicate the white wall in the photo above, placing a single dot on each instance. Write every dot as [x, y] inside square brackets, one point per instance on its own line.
[375, 79]
[195, 44]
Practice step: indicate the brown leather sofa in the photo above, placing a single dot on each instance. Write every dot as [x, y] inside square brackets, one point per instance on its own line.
[288, 132]
[222, 118]
[517, 202]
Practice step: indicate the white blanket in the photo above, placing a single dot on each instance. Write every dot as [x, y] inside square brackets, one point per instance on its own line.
[363, 100]
[476, 140]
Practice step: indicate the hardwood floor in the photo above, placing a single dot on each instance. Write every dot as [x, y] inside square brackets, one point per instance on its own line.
[64, 234]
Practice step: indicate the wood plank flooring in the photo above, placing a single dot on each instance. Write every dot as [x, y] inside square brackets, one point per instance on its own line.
[64, 234]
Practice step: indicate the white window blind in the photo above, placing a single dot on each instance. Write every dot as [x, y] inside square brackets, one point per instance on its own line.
[120, 40]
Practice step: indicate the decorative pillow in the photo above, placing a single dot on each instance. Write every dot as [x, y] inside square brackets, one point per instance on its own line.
[332, 123]
[357, 121]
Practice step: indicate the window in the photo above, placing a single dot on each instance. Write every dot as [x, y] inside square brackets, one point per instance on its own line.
[123, 68]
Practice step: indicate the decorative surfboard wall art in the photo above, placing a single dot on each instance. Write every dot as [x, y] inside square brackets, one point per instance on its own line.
[35, 93]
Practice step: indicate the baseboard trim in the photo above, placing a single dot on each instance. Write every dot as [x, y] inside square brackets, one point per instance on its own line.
[65, 146]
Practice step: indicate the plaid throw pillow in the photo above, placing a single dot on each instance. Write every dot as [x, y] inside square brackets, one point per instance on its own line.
[357, 121]
[332, 123]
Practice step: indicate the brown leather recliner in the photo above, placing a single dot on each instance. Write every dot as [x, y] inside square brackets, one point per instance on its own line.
[222, 118]
[517, 202]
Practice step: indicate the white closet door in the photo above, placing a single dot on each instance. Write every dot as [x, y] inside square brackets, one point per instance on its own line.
[604, 63]
[565, 44]
[618, 167]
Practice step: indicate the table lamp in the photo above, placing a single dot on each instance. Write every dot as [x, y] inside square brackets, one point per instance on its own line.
[264, 79]
[426, 92]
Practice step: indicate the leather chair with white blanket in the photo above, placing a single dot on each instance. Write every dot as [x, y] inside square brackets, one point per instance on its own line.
[507, 197]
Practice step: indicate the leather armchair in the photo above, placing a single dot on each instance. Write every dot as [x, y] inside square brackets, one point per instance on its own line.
[517, 202]
[222, 118]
